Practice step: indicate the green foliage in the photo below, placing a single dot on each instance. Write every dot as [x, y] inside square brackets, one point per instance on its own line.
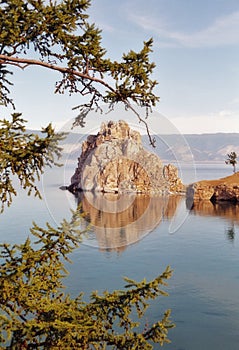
[58, 36]
[37, 314]
[5, 86]
[24, 156]
[232, 159]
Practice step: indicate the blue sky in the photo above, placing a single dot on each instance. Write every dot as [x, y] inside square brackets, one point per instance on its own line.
[196, 51]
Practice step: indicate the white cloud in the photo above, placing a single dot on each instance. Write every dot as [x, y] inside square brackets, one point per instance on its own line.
[235, 101]
[222, 121]
[105, 27]
[222, 31]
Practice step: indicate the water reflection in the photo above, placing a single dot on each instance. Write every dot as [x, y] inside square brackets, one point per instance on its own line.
[120, 220]
[230, 232]
[226, 210]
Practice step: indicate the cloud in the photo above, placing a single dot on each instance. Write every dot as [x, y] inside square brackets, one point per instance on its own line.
[225, 120]
[222, 31]
[235, 101]
[105, 27]
[222, 121]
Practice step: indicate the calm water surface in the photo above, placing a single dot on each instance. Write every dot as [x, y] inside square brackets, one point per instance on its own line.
[138, 237]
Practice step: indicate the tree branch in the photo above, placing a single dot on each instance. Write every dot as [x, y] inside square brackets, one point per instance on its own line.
[141, 120]
[25, 62]
[28, 62]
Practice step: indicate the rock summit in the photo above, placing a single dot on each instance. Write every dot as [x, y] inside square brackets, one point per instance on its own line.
[115, 161]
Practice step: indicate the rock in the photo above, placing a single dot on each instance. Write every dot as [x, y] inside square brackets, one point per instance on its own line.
[63, 188]
[199, 191]
[171, 175]
[115, 161]
[226, 193]
[224, 189]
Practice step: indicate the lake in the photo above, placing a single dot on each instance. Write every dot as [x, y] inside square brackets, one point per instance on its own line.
[138, 237]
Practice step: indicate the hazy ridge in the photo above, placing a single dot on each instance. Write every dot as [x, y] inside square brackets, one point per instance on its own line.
[203, 147]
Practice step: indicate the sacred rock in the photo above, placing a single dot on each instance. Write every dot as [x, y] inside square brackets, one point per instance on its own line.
[115, 161]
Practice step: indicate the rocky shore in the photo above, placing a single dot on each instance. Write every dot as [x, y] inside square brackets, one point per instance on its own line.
[224, 189]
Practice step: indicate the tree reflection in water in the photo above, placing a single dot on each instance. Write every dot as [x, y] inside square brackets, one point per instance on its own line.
[230, 232]
[226, 210]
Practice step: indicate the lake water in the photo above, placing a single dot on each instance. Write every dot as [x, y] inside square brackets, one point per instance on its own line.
[138, 237]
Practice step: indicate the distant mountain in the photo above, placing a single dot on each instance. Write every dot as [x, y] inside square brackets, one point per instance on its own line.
[202, 147]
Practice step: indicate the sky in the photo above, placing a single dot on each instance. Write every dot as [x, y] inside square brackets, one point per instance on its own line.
[196, 51]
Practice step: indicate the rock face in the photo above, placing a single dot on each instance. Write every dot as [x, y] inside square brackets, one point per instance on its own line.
[114, 160]
[200, 191]
[225, 189]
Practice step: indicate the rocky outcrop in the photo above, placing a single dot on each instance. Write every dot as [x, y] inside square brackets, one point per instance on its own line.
[225, 189]
[115, 161]
[199, 191]
[171, 175]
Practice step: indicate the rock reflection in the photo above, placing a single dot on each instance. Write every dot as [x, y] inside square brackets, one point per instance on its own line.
[226, 210]
[120, 220]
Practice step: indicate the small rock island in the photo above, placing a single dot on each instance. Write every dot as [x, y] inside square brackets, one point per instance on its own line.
[115, 161]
